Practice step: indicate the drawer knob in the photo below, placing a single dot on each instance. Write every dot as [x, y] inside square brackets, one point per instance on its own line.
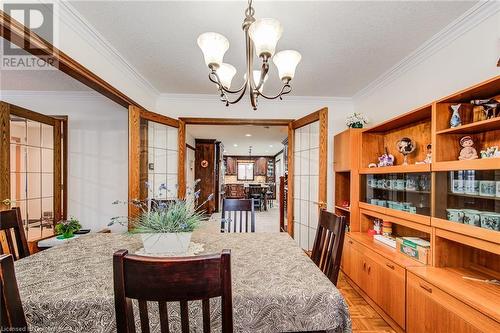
[350, 241]
[424, 287]
[369, 269]
[364, 266]
[390, 266]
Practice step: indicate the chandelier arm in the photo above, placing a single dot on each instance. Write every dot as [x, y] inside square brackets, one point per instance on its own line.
[239, 97]
[221, 87]
[286, 89]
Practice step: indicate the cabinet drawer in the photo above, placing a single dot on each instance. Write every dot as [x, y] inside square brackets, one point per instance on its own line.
[431, 310]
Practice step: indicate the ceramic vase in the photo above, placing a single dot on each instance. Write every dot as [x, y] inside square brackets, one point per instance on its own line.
[455, 119]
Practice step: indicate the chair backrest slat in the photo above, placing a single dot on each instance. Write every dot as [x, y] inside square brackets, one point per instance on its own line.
[175, 279]
[11, 221]
[231, 208]
[205, 304]
[13, 318]
[328, 244]
[163, 310]
[143, 315]
[184, 317]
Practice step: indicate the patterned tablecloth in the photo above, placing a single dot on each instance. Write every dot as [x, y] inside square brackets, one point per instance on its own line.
[276, 287]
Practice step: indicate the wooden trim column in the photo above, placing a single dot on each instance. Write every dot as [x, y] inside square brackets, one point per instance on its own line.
[134, 143]
[4, 154]
[291, 156]
[181, 169]
[323, 157]
[57, 171]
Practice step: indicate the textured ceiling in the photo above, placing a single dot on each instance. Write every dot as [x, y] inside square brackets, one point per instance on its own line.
[261, 138]
[345, 45]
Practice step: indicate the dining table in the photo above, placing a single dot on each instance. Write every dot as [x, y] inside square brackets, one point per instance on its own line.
[275, 286]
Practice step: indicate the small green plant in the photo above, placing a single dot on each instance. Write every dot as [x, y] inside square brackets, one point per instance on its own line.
[68, 227]
[157, 216]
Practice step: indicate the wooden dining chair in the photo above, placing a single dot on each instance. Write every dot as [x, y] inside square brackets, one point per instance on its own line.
[328, 244]
[11, 307]
[175, 279]
[11, 222]
[237, 214]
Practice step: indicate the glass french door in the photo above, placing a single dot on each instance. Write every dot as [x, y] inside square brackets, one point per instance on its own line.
[154, 171]
[31, 164]
[308, 146]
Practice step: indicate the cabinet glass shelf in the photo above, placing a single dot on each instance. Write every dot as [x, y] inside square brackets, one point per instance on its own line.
[408, 192]
[470, 197]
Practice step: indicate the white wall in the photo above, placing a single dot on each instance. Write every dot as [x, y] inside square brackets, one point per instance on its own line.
[456, 64]
[97, 152]
[291, 107]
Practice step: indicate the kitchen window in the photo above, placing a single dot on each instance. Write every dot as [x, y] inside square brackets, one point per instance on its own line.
[245, 171]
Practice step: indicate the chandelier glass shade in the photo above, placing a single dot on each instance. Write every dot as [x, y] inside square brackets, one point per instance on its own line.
[261, 37]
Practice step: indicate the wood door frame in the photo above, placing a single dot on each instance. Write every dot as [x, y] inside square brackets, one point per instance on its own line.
[292, 124]
[321, 116]
[60, 135]
[135, 114]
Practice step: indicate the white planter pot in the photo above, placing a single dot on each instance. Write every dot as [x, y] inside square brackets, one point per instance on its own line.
[166, 242]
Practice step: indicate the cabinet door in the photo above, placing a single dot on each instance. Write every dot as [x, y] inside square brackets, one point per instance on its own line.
[391, 290]
[345, 262]
[355, 266]
[369, 277]
[231, 166]
[431, 310]
[261, 166]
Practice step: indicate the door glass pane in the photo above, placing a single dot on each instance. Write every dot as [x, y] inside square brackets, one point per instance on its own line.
[32, 175]
[47, 136]
[33, 159]
[305, 190]
[159, 161]
[33, 133]
[47, 160]
[17, 130]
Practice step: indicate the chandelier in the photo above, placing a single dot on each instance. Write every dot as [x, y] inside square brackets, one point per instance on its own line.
[261, 35]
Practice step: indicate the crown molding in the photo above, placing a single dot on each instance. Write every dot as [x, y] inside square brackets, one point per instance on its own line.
[467, 21]
[213, 98]
[72, 19]
[64, 95]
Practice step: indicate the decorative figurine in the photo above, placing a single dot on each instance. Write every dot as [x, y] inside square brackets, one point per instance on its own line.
[428, 156]
[478, 113]
[468, 152]
[490, 152]
[491, 107]
[405, 146]
[386, 159]
[455, 119]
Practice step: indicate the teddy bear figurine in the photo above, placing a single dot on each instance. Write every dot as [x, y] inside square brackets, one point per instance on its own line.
[468, 152]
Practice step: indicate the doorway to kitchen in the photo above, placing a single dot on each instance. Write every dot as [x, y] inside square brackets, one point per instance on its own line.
[302, 191]
[238, 162]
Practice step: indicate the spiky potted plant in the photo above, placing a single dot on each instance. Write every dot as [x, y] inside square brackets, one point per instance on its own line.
[166, 226]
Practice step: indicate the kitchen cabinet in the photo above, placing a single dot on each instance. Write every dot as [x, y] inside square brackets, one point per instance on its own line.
[260, 167]
[431, 310]
[235, 191]
[231, 166]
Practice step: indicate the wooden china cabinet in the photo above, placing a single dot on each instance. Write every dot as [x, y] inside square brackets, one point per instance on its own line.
[454, 204]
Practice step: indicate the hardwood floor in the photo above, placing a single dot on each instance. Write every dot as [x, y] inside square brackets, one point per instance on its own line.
[364, 318]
